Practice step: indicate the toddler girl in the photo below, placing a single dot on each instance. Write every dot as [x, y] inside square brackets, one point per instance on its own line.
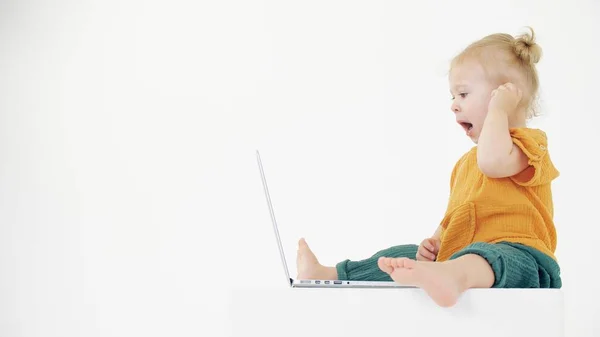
[498, 229]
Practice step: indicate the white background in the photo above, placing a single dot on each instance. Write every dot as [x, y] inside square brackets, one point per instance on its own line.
[130, 197]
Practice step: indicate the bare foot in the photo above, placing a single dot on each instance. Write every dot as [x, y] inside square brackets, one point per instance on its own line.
[440, 280]
[385, 264]
[309, 267]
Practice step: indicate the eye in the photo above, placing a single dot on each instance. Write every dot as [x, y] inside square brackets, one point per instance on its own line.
[462, 95]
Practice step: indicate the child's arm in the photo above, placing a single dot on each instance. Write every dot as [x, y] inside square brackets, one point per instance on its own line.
[497, 155]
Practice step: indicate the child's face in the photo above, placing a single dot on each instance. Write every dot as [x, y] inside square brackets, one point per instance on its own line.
[471, 92]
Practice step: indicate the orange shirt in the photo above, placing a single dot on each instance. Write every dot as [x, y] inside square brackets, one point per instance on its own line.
[514, 209]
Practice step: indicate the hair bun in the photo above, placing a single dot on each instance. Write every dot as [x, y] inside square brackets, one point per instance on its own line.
[526, 48]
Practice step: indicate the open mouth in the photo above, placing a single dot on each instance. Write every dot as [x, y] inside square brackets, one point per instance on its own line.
[467, 126]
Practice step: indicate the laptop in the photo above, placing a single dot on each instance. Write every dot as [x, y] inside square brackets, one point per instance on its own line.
[315, 283]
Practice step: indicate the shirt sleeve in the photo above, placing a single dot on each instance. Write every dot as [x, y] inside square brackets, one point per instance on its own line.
[534, 144]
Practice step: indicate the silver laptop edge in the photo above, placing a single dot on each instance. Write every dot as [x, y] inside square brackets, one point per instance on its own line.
[277, 237]
[314, 283]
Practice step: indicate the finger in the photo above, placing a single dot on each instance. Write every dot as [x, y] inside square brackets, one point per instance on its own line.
[427, 244]
[420, 257]
[437, 244]
[430, 256]
[427, 255]
[513, 87]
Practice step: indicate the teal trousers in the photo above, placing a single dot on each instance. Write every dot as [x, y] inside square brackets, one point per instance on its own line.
[514, 265]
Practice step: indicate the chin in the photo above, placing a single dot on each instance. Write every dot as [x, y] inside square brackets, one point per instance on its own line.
[473, 137]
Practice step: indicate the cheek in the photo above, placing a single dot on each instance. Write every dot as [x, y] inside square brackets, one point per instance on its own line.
[484, 102]
[482, 107]
[480, 113]
[481, 119]
[487, 97]
[477, 104]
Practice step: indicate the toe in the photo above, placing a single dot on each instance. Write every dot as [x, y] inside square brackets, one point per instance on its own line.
[384, 264]
[410, 264]
[303, 246]
[398, 263]
[302, 243]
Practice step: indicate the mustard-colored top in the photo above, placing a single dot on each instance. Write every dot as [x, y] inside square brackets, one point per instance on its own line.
[514, 209]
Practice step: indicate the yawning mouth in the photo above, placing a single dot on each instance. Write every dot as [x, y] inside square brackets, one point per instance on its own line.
[467, 126]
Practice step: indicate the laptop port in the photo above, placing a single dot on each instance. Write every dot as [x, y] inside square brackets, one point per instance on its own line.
[326, 282]
[317, 282]
[337, 282]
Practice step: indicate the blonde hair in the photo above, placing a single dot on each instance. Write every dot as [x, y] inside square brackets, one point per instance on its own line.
[508, 59]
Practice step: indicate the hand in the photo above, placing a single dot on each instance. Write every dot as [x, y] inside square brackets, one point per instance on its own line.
[428, 250]
[505, 98]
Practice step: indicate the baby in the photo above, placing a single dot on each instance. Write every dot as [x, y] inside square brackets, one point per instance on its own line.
[498, 229]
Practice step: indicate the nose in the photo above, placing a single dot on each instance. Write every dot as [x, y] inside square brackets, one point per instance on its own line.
[455, 107]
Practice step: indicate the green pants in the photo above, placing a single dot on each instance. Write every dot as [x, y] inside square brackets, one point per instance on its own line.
[514, 265]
